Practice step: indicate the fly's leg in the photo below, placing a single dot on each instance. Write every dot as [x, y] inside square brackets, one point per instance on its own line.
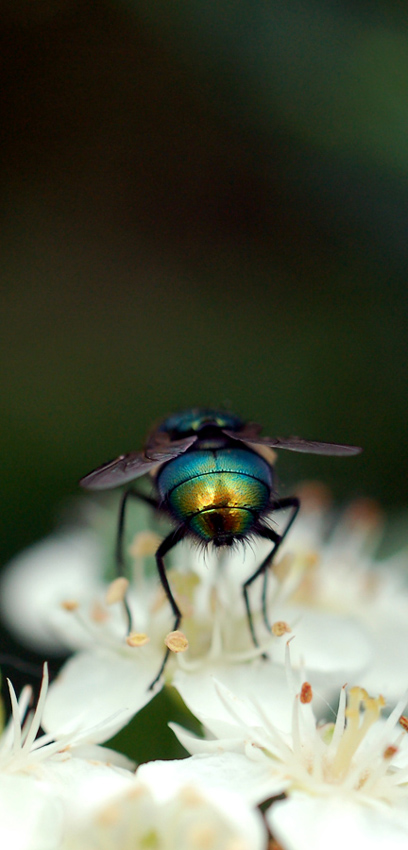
[171, 540]
[120, 557]
[283, 504]
[277, 540]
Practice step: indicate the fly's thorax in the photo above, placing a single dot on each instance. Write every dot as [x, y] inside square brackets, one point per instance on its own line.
[218, 493]
[195, 420]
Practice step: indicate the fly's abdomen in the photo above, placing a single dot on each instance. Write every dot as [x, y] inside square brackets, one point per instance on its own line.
[219, 494]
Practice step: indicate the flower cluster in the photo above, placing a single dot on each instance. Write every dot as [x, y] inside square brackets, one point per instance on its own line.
[281, 729]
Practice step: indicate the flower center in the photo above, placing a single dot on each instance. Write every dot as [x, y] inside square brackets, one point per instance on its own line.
[361, 713]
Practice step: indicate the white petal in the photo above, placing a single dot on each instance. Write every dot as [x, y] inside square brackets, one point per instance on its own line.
[247, 823]
[83, 785]
[98, 691]
[388, 674]
[35, 807]
[232, 742]
[330, 644]
[35, 583]
[300, 823]
[264, 681]
[31, 816]
[105, 755]
[253, 780]
[189, 817]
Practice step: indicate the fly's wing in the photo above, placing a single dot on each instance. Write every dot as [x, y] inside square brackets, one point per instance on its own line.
[128, 467]
[296, 444]
[248, 432]
[125, 468]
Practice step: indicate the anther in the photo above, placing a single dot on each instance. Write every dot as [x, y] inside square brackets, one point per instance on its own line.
[403, 721]
[306, 693]
[144, 543]
[364, 513]
[280, 628]
[116, 591]
[70, 605]
[176, 641]
[281, 569]
[137, 639]
[98, 613]
[314, 496]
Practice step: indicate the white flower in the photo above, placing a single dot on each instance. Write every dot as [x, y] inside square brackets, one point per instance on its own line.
[67, 565]
[359, 763]
[300, 823]
[179, 817]
[115, 672]
[45, 781]
[52, 585]
[334, 570]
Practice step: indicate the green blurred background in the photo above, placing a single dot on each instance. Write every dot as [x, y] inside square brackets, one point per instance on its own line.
[202, 203]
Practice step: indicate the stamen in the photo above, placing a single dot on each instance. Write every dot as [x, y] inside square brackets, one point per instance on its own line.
[393, 719]
[289, 668]
[306, 693]
[372, 712]
[280, 628]
[365, 513]
[340, 723]
[314, 496]
[354, 732]
[176, 641]
[70, 605]
[251, 732]
[98, 613]
[144, 543]
[7, 738]
[296, 737]
[36, 721]
[137, 639]
[16, 719]
[283, 567]
[216, 645]
[117, 590]
[91, 624]
[403, 721]
[285, 753]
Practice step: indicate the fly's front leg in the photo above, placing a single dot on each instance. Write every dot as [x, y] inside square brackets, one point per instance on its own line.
[276, 539]
[171, 540]
[167, 544]
[120, 556]
[261, 569]
[290, 502]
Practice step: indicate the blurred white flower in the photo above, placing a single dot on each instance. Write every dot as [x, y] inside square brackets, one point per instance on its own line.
[65, 565]
[178, 817]
[47, 781]
[300, 823]
[334, 570]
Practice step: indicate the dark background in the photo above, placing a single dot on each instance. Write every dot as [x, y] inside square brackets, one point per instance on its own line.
[202, 203]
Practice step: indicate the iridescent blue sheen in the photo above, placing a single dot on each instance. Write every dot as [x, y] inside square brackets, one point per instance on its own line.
[203, 462]
[225, 490]
[192, 420]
